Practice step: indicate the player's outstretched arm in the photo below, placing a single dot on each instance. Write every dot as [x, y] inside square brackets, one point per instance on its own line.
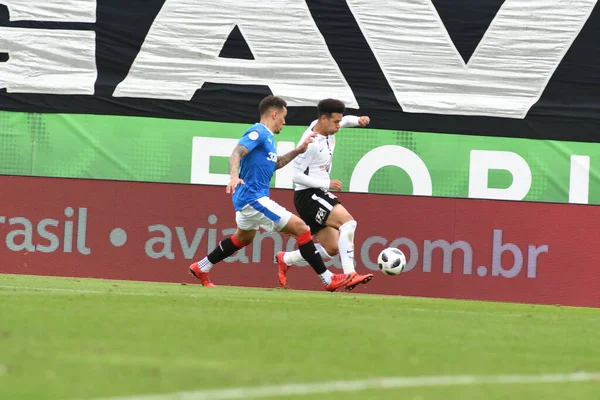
[285, 159]
[363, 121]
[350, 121]
[234, 167]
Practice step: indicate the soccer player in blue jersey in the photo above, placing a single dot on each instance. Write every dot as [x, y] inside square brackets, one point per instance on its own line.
[251, 167]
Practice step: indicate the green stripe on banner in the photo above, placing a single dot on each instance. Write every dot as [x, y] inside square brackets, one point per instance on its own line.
[377, 161]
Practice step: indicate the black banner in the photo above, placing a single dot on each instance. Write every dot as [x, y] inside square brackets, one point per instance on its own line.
[568, 108]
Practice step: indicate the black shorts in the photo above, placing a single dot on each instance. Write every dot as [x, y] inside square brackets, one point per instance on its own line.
[314, 207]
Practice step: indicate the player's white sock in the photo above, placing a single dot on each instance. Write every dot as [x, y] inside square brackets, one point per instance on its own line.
[294, 257]
[322, 251]
[346, 246]
[205, 265]
[326, 277]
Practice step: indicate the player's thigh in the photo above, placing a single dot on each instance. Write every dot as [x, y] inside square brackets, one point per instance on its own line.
[295, 226]
[247, 221]
[338, 216]
[263, 213]
[314, 206]
[328, 237]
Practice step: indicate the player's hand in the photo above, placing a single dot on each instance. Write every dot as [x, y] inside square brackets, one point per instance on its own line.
[363, 121]
[304, 145]
[335, 185]
[233, 184]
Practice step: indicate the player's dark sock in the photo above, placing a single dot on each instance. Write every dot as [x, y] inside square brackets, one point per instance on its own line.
[225, 249]
[310, 253]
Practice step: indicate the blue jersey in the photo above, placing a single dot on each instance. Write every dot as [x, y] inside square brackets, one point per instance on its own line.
[257, 167]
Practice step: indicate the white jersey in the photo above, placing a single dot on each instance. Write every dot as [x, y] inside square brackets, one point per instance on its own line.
[312, 168]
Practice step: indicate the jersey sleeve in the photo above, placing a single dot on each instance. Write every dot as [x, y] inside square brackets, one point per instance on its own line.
[302, 179]
[252, 138]
[349, 121]
[301, 163]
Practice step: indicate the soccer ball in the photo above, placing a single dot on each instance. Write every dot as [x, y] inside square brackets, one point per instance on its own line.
[391, 261]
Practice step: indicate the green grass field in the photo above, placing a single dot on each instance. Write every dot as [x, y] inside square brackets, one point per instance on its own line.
[92, 339]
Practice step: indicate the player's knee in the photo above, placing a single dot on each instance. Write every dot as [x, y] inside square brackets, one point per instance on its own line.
[298, 227]
[332, 250]
[303, 229]
[347, 217]
[339, 216]
[244, 237]
[348, 225]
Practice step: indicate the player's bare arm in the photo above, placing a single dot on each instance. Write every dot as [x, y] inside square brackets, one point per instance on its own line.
[285, 159]
[335, 185]
[234, 167]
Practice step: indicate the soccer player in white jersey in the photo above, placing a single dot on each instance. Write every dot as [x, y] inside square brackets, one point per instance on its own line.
[330, 223]
[251, 167]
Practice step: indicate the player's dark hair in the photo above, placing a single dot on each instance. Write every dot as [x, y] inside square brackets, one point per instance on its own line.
[271, 102]
[329, 106]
